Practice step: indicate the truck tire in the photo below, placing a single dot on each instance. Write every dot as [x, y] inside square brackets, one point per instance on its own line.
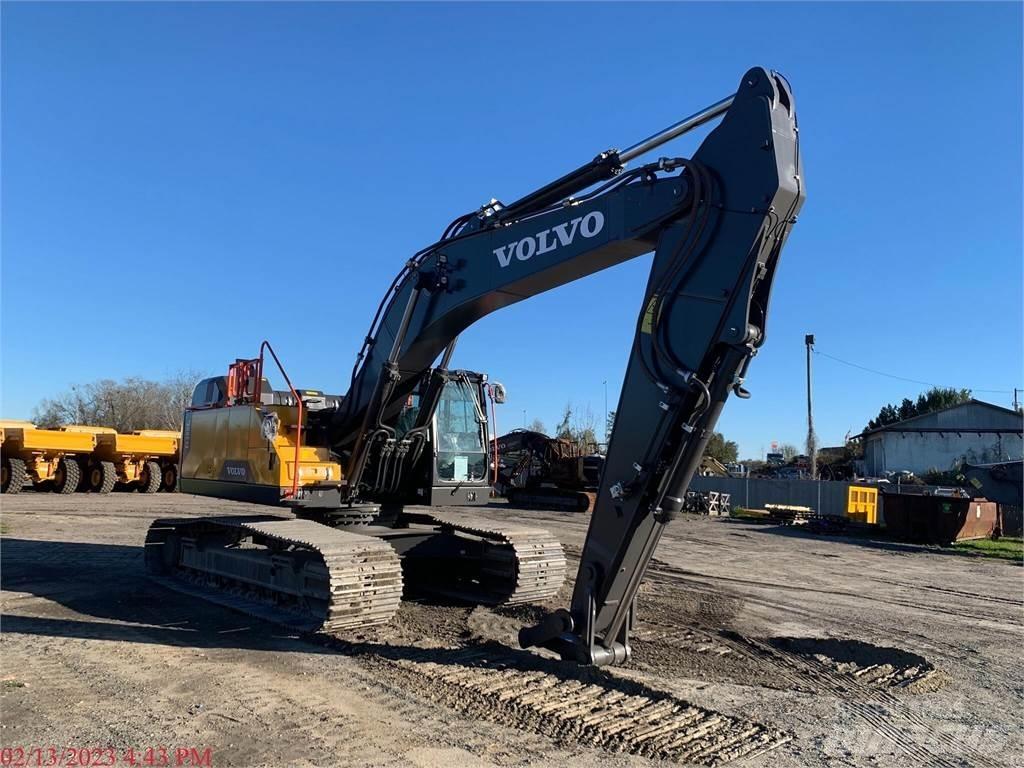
[15, 476]
[151, 476]
[83, 471]
[68, 475]
[102, 477]
[169, 478]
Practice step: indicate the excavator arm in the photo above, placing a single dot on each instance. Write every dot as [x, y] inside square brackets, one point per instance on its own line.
[716, 223]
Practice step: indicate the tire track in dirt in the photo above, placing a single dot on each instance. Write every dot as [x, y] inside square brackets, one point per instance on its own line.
[957, 593]
[573, 706]
[697, 585]
[876, 706]
[869, 699]
[912, 675]
[307, 725]
[98, 707]
[670, 571]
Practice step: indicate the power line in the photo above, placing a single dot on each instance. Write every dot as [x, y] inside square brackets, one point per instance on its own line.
[904, 378]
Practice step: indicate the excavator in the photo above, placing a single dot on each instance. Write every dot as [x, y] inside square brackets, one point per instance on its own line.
[540, 472]
[716, 223]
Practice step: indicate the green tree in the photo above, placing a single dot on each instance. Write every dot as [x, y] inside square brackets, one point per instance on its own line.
[935, 399]
[720, 449]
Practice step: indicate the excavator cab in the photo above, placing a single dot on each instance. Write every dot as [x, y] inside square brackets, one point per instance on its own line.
[452, 469]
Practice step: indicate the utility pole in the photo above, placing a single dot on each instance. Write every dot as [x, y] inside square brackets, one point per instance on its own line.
[1016, 402]
[606, 412]
[524, 418]
[812, 442]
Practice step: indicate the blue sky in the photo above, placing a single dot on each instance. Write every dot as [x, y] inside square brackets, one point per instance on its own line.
[182, 180]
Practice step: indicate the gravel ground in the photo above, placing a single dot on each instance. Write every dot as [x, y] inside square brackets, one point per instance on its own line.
[755, 645]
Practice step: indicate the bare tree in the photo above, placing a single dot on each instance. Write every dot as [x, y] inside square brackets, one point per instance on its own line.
[127, 405]
[585, 430]
[579, 427]
[179, 389]
[788, 451]
[538, 426]
[564, 428]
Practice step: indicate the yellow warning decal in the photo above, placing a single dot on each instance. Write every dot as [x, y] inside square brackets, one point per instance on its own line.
[648, 322]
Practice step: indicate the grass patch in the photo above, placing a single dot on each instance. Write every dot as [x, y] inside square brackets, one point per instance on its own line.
[10, 685]
[1004, 548]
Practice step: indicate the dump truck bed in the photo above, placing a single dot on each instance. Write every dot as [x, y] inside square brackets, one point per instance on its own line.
[110, 443]
[135, 445]
[49, 440]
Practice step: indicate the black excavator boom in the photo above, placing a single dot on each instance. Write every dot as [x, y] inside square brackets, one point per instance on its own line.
[716, 223]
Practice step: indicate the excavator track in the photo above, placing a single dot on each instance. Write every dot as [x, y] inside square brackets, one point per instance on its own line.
[522, 564]
[295, 573]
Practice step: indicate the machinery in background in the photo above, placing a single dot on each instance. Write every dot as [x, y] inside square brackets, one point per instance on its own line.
[1002, 482]
[540, 472]
[145, 460]
[716, 222]
[168, 462]
[42, 458]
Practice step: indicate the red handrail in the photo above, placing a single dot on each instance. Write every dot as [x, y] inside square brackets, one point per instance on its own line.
[298, 401]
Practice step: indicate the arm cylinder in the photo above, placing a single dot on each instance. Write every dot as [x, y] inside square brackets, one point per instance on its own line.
[607, 164]
[678, 129]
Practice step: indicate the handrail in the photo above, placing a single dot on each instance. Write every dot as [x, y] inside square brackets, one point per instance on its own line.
[298, 401]
[494, 434]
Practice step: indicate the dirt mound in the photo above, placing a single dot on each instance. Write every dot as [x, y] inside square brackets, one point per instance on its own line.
[875, 665]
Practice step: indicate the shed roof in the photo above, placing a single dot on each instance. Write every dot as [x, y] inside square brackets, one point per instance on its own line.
[971, 416]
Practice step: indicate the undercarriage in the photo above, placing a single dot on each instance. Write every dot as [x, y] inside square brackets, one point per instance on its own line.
[310, 576]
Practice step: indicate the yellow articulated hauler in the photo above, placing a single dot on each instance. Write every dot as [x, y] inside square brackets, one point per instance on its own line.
[144, 460]
[42, 457]
[168, 461]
